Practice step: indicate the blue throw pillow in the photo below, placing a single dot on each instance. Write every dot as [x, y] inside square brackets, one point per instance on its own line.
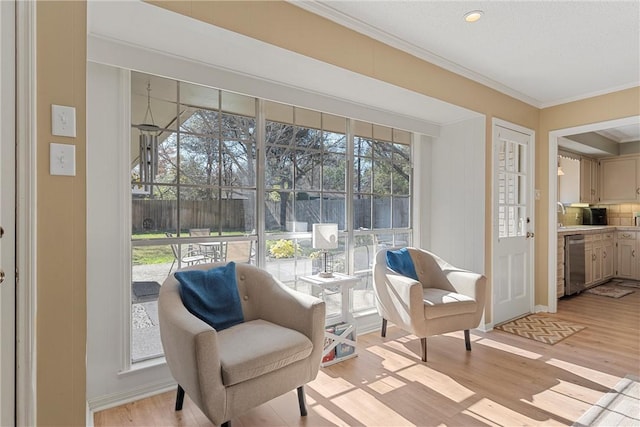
[400, 261]
[212, 295]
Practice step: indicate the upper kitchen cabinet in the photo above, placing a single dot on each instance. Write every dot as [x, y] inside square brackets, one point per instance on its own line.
[588, 180]
[568, 178]
[620, 179]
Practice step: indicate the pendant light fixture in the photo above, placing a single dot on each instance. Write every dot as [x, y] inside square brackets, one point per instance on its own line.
[149, 132]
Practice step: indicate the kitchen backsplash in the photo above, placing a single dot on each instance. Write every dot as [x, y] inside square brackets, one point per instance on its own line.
[621, 214]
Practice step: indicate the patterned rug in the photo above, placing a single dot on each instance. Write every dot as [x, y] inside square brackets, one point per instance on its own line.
[609, 291]
[627, 284]
[618, 407]
[541, 328]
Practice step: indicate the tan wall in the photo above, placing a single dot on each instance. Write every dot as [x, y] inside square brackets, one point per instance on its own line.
[61, 79]
[612, 106]
[61, 203]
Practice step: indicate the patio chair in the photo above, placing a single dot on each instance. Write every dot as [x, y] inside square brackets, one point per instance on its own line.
[239, 251]
[188, 257]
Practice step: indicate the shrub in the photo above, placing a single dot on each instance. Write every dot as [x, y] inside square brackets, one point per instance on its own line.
[284, 249]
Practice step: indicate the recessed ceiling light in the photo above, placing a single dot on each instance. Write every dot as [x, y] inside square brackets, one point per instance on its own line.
[473, 16]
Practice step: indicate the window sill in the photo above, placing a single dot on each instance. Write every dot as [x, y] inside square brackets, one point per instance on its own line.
[143, 366]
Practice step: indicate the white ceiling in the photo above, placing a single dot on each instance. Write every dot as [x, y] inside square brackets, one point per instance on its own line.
[622, 134]
[542, 52]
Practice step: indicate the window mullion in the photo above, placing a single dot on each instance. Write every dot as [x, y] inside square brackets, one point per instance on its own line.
[350, 243]
[260, 181]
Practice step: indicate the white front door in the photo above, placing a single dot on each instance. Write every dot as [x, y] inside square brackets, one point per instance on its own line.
[7, 214]
[513, 221]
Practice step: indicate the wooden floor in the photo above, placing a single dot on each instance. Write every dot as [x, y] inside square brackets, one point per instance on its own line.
[506, 380]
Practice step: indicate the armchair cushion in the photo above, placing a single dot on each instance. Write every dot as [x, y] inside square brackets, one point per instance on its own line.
[212, 295]
[258, 347]
[441, 303]
[400, 261]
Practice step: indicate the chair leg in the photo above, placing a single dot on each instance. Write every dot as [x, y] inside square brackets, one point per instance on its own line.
[383, 332]
[179, 398]
[467, 340]
[423, 344]
[301, 401]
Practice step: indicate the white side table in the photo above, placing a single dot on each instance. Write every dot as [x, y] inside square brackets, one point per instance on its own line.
[342, 333]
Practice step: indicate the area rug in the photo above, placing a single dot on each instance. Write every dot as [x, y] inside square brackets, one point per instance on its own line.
[619, 407]
[609, 291]
[540, 328]
[629, 284]
[144, 291]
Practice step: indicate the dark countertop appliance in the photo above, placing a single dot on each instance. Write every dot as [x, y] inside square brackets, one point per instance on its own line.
[594, 216]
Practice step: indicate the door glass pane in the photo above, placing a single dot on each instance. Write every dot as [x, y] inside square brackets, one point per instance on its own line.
[522, 191]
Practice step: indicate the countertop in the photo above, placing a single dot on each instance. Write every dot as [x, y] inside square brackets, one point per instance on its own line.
[591, 229]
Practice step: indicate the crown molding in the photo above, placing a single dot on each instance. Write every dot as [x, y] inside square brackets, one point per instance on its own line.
[362, 27]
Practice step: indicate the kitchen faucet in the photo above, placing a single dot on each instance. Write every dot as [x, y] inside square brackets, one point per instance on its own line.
[564, 211]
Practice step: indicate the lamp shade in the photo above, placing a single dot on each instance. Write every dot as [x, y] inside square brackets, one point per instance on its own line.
[325, 236]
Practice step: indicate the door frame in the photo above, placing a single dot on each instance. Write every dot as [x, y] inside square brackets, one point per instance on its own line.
[8, 288]
[530, 203]
[26, 259]
[552, 250]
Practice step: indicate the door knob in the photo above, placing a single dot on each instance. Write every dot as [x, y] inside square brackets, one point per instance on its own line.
[530, 234]
[1, 232]
[1, 275]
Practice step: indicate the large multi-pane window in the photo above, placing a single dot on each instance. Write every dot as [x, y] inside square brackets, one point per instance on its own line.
[193, 181]
[305, 183]
[381, 198]
[200, 191]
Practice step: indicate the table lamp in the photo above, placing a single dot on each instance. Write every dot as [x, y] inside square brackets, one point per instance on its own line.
[325, 236]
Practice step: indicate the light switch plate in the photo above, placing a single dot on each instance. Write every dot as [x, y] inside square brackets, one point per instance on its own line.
[62, 159]
[63, 121]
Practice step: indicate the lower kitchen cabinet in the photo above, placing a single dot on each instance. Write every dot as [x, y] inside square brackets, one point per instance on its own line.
[628, 255]
[608, 256]
[560, 271]
[599, 256]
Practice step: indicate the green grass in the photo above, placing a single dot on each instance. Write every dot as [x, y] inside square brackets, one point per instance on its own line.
[143, 255]
[160, 254]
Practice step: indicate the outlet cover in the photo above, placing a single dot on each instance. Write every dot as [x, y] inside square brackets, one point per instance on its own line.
[62, 159]
[63, 121]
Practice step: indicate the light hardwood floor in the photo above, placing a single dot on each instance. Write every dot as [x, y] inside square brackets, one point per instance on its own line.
[505, 380]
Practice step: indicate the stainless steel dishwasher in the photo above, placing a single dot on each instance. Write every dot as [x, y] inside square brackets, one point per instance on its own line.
[574, 264]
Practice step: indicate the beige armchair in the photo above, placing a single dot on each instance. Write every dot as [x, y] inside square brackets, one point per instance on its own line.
[444, 299]
[276, 349]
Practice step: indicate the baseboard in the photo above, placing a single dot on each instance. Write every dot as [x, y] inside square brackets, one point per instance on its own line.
[541, 309]
[116, 399]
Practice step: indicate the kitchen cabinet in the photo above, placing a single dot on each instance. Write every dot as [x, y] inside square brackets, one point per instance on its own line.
[620, 179]
[592, 255]
[608, 257]
[628, 255]
[560, 270]
[599, 257]
[589, 180]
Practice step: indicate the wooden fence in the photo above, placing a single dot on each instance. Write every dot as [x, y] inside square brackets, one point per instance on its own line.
[238, 214]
